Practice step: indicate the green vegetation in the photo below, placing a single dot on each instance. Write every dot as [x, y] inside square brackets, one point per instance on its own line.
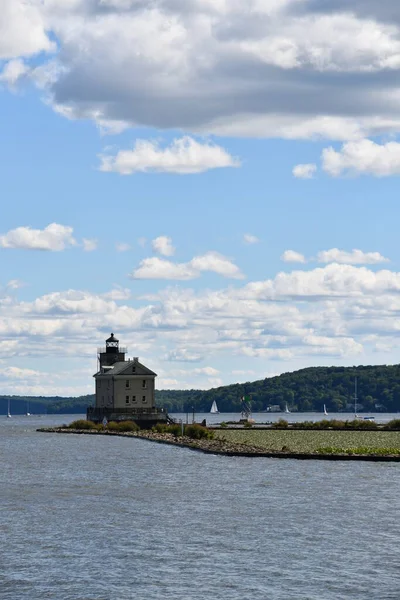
[122, 426]
[304, 390]
[82, 424]
[198, 432]
[393, 425]
[312, 440]
[195, 431]
[328, 424]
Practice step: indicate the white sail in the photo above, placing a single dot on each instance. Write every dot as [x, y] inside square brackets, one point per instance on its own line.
[214, 408]
[287, 409]
[325, 411]
[9, 409]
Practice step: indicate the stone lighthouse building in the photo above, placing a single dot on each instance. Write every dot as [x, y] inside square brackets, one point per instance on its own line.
[125, 389]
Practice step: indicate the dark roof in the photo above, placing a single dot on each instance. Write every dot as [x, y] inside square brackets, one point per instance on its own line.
[118, 368]
[112, 338]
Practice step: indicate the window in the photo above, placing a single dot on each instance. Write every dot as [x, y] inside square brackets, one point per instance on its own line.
[133, 369]
[127, 399]
[133, 398]
[144, 399]
[127, 384]
[144, 384]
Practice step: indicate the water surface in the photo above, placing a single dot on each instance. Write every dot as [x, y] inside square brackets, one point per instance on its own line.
[110, 518]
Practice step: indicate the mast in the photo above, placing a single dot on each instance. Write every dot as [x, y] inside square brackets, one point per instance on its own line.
[355, 396]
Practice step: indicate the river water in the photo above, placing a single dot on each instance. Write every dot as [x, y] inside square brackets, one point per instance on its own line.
[108, 518]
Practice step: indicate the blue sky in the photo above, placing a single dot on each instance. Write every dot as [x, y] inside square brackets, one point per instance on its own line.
[212, 184]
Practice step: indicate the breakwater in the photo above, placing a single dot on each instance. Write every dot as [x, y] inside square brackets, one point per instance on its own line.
[225, 447]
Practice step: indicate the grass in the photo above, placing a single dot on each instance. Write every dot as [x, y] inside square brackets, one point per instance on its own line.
[313, 440]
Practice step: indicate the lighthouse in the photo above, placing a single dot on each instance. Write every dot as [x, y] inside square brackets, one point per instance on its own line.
[125, 388]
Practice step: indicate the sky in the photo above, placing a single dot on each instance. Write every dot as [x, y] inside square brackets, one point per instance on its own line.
[214, 181]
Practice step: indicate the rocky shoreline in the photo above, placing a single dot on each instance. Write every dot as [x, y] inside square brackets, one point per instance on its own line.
[222, 447]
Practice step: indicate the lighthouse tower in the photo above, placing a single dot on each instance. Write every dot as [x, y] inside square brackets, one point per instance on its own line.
[112, 353]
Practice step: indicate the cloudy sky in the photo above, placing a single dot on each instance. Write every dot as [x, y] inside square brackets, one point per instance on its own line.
[215, 181]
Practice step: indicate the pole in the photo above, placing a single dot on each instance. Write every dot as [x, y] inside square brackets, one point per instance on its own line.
[193, 414]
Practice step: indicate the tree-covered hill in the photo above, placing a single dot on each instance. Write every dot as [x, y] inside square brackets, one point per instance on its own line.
[304, 390]
[378, 389]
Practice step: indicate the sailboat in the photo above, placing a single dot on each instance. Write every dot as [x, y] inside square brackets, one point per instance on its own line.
[214, 408]
[287, 409]
[28, 414]
[9, 409]
[325, 411]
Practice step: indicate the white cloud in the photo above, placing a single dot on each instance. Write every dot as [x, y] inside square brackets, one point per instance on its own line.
[305, 171]
[18, 373]
[183, 355]
[89, 245]
[159, 268]
[168, 64]
[54, 237]
[355, 257]
[335, 313]
[13, 71]
[363, 157]
[15, 284]
[163, 245]
[184, 155]
[293, 256]
[248, 238]
[118, 293]
[216, 263]
[23, 29]
[122, 247]
[210, 371]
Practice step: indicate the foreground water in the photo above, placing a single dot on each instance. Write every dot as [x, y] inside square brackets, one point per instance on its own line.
[115, 519]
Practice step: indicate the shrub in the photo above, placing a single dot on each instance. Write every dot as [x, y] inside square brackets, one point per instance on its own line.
[160, 428]
[223, 425]
[128, 426]
[112, 426]
[198, 432]
[394, 425]
[248, 425]
[82, 424]
[281, 424]
[176, 430]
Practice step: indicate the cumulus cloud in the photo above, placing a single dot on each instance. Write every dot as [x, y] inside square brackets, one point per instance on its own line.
[158, 268]
[185, 155]
[355, 257]
[23, 29]
[54, 238]
[293, 256]
[305, 171]
[248, 238]
[169, 65]
[89, 245]
[363, 157]
[163, 245]
[337, 312]
[13, 71]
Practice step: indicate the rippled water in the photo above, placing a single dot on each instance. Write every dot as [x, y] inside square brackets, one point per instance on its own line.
[115, 519]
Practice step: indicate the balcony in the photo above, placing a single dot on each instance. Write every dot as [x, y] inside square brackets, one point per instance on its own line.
[120, 350]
